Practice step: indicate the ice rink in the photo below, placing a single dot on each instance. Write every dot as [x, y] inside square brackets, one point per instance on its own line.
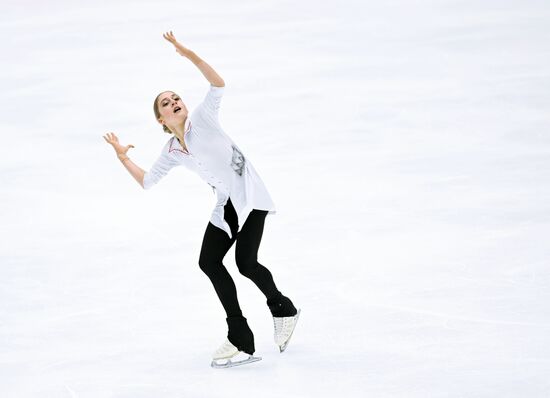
[406, 145]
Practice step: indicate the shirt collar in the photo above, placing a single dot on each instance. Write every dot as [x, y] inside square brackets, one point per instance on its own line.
[186, 128]
[187, 125]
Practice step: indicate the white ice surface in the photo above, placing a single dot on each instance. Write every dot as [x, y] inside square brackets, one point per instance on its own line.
[406, 145]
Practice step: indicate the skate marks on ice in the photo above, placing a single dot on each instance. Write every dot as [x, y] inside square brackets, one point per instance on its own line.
[455, 317]
[240, 358]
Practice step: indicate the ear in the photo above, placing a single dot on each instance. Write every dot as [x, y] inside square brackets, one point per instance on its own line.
[160, 121]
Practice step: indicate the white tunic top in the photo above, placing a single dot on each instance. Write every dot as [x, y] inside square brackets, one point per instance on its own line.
[217, 160]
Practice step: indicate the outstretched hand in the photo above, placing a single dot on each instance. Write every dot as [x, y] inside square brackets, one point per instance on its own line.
[179, 48]
[112, 139]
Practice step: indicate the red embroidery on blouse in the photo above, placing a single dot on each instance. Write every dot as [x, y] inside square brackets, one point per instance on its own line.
[172, 141]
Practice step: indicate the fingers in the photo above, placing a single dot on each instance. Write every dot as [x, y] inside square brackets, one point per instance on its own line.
[169, 36]
[110, 138]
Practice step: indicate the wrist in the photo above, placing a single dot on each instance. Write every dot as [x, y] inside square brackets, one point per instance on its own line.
[183, 50]
[122, 157]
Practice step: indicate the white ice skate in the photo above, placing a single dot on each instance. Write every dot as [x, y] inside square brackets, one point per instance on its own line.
[228, 356]
[284, 327]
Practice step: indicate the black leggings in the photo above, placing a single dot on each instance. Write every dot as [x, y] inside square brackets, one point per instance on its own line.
[216, 243]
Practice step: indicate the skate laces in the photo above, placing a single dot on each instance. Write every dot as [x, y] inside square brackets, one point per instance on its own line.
[283, 326]
[227, 346]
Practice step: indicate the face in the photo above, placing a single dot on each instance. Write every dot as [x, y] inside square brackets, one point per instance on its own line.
[172, 110]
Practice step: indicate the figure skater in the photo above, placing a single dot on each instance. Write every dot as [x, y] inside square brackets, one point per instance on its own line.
[199, 143]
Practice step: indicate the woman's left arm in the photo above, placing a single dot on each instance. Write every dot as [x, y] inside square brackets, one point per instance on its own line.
[205, 69]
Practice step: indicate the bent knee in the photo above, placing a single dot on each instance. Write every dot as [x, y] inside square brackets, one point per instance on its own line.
[207, 265]
[247, 269]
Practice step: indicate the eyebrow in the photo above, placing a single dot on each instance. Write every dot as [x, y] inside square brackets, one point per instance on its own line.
[165, 98]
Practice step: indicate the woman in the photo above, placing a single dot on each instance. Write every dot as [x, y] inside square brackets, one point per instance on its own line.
[199, 143]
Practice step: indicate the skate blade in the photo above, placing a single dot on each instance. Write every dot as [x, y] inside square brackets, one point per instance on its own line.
[285, 344]
[230, 362]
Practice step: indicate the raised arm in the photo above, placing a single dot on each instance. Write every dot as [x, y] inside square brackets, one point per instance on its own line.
[205, 69]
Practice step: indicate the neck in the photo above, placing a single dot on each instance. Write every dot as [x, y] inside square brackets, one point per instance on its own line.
[179, 130]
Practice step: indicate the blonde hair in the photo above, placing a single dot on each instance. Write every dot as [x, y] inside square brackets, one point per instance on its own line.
[157, 114]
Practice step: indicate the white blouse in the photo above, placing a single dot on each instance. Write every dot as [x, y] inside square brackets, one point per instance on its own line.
[217, 160]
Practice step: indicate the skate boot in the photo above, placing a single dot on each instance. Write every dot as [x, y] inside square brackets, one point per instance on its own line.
[228, 356]
[285, 317]
[238, 349]
[284, 327]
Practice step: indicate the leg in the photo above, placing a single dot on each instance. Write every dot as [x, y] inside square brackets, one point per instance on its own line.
[215, 246]
[246, 257]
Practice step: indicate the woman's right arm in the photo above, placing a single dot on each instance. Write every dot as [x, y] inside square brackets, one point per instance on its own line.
[137, 172]
[121, 151]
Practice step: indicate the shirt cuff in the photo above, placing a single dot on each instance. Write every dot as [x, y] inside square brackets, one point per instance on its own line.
[216, 91]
